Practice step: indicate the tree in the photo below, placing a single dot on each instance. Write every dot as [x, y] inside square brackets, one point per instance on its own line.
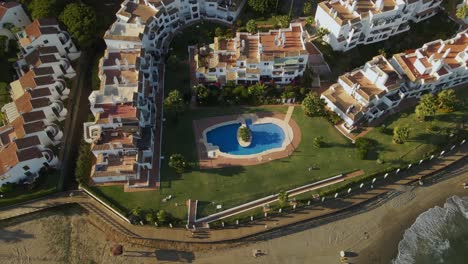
[162, 216]
[202, 93]
[251, 26]
[256, 93]
[262, 6]
[462, 12]
[283, 198]
[322, 32]
[427, 106]
[363, 145]
[282, 21]
[307, 9]
[149, 217]
[245, 134]
[313, 105]
[178, 162]
[45, 8]
[83, 164]
[308, 77]
[310, 20]
[81, 22]
[174, 103]
[318, 142]
[136, 212]
[382, 52]
[447, 100]
[400, 134]
[219, 32]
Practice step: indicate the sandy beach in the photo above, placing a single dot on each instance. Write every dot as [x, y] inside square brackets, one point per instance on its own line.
[373, 236]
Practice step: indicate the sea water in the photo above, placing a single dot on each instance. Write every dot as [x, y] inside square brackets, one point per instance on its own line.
[439, 235]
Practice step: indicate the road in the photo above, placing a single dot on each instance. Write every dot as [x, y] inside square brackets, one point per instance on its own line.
[77, 115]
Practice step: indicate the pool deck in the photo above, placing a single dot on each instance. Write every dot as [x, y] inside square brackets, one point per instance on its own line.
[222, 161]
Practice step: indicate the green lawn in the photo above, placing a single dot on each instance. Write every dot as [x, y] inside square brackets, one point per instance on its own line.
[234, 185]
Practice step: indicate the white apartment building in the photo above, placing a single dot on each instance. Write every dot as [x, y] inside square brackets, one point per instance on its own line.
[47, 33]
[367, 93]
[278, 55]
[37, 102]
[355, 22]
[21, 160]
[45, 61]
[12, 15]
[126, 134]
[435, 66]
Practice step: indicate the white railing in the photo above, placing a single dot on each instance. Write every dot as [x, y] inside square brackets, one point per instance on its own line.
[105, 205]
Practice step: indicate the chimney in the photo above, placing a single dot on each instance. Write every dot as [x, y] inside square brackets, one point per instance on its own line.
[441, 48]
[446, 53]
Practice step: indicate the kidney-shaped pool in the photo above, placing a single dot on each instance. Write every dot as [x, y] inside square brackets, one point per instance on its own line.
[265, 136]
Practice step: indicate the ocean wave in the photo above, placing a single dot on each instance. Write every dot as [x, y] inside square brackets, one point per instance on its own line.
[439, 235]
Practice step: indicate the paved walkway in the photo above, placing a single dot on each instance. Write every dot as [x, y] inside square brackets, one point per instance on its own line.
[326, 209]
[289, 114]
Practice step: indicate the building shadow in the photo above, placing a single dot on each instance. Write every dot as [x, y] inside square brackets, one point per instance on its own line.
[175, 256]
[14, 236]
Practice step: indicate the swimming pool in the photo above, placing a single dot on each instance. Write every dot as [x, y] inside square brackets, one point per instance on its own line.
[265, 136]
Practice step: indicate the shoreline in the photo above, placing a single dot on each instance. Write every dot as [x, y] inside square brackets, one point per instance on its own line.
[372, 236]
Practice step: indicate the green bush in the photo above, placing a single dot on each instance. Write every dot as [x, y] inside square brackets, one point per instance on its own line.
[245, 133]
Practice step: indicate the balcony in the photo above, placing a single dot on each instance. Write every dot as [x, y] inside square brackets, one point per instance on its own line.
[53, 132]
[63, 37]
[58, 109]
[48, 154]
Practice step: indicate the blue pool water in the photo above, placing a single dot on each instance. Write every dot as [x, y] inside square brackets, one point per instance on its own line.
[264, 137]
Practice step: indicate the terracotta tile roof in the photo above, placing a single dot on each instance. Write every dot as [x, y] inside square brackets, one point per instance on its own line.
[8, 158]
[23, 103]
[17, 125]
[27, 80]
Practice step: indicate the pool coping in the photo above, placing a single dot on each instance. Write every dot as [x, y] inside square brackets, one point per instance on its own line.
[221, 159]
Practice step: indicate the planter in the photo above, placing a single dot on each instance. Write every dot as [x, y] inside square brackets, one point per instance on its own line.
[243, 143]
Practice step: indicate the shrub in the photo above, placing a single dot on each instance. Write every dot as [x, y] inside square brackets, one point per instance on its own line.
[178, 162]
[318, 142]
[245, 134]
[401, 134]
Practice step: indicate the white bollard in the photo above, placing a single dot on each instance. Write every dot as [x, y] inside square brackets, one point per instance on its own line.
[308, 202]
[385, 176]
[397, 171]
[170, 225]
[373, 180]
[237, 222]
[421, 161]
[442, 153]
[349, 190]
[266, 214]
[294, 206]
[280, 210]
[251, 218]
[452, 147]
[432, 156]
[362, 185]
[323, 199]
[463, 142]
[409, 166]
[336, 195]
[222, 224]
